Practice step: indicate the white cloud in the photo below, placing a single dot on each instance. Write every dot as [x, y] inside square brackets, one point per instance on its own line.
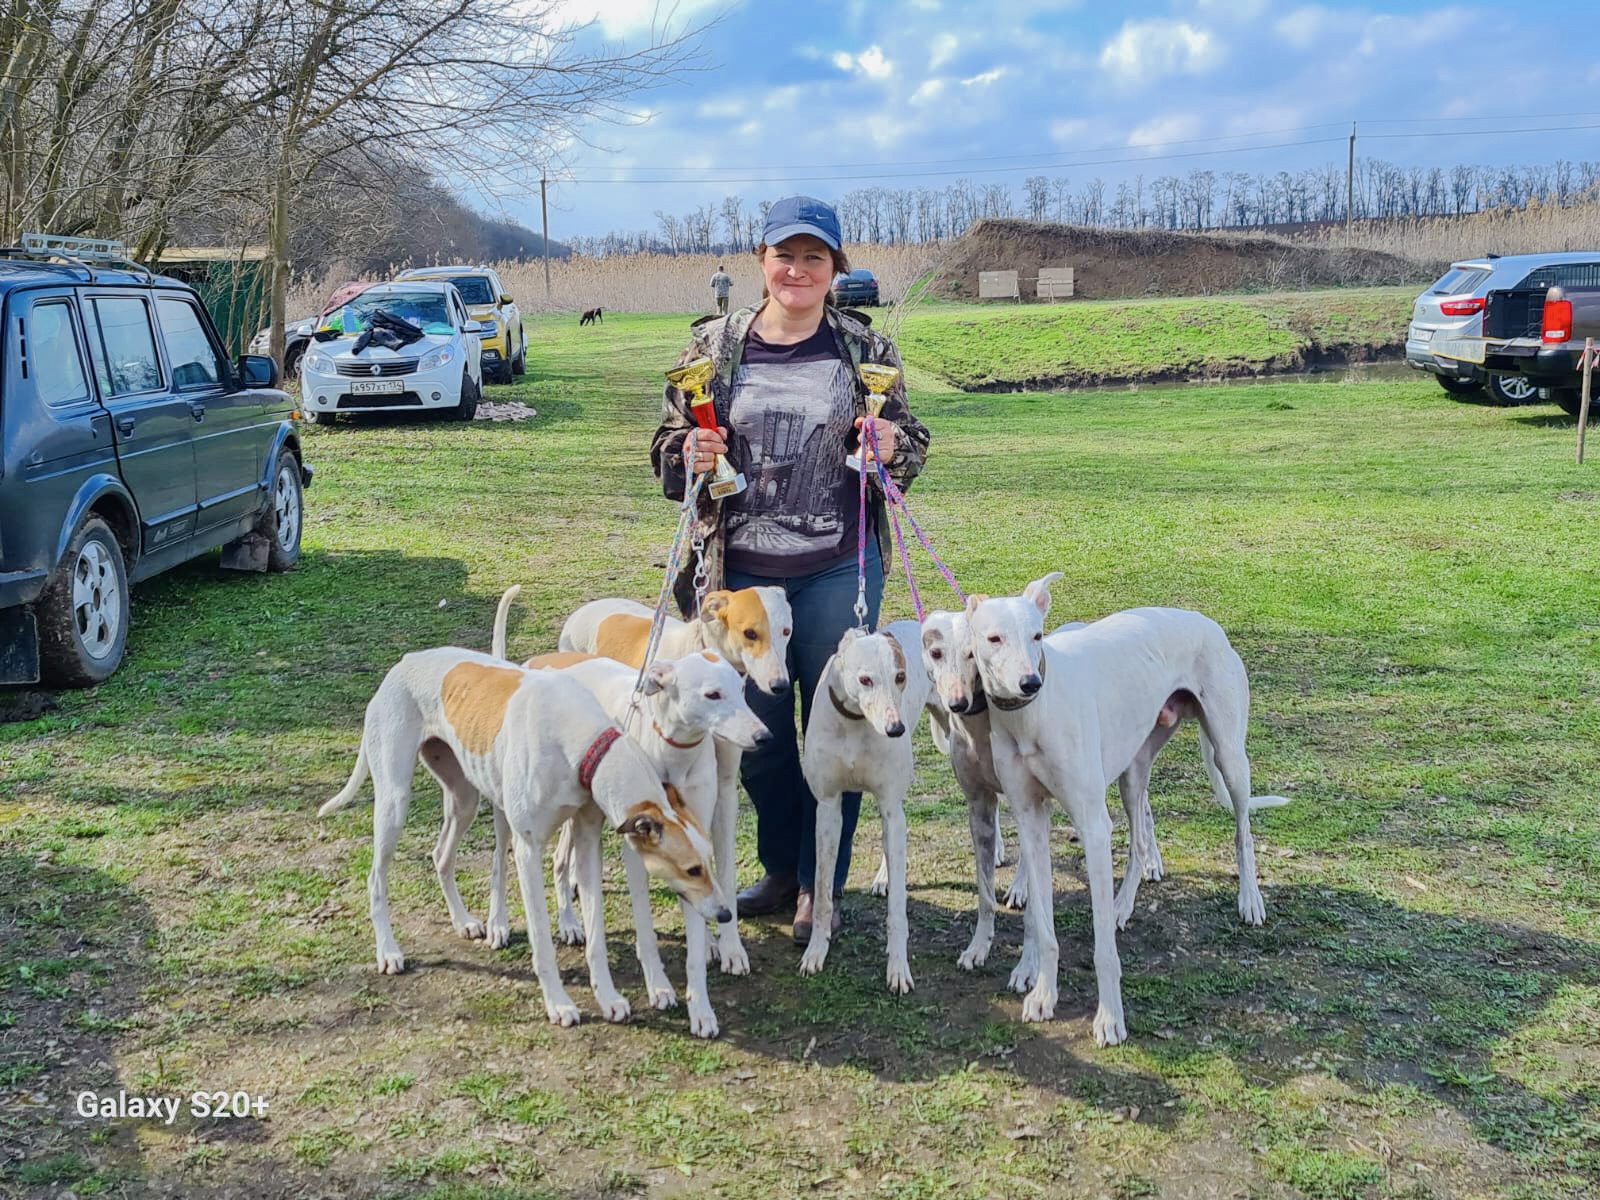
[630, 18]
[1146, 50]
[1176, 128]
[929, 91]
[787, 97]
[843, 61]
[721, 109]
[1068, 129]
[870, 62]
[942, 51]
[985, 79]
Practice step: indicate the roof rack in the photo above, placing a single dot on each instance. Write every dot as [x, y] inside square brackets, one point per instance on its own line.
[83, 252]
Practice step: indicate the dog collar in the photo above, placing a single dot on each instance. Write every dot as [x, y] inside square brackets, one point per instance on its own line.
[1013, 705]
[979, 702]
[673, 744]
[592, 756]
[839, 707]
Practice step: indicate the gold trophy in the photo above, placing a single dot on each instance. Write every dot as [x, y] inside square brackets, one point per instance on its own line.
[691, 379]
[879, 378]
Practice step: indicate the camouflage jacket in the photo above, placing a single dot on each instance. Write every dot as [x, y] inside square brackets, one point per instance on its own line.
[721, 339]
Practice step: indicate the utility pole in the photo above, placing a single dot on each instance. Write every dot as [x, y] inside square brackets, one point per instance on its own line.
[544, 222]
[1350, 186]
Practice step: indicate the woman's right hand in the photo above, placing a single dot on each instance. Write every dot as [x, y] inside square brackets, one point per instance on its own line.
[707, 445]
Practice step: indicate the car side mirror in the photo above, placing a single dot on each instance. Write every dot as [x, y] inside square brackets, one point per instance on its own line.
[258, 370]
[505, 298]
[472, 327]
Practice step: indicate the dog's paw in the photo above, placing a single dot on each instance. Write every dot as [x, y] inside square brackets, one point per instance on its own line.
[498, 937]
[1154, 868]
[880, 882]
[816, 954]
[899, 978]
[1122, 910]
[1252, 907]
[735, 959]
[614, 1007]
[1017, 893]
[1109, 1027]
[975, 955]
[1024, 974]
[1040, 1004]
[569, 930]
[661, 993]
[703, 1022]
[391, 962]
[472, 930]
[562, 1012]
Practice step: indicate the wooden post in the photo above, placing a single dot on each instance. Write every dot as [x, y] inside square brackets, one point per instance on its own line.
[1583, 402]
[1350, 186]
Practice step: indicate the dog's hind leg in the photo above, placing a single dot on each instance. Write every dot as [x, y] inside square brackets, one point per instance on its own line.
[880, 882]
[499, 935]
[586, 850]
[558, 1006]
[656, 984]
[982, 821]
[460, 807]
[392, 758]
[568, 928]
[1222, 747]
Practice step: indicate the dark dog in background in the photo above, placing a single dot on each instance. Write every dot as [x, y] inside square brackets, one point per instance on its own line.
[591, 315]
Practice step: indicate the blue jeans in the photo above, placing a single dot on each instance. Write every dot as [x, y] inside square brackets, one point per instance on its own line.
[786, 811]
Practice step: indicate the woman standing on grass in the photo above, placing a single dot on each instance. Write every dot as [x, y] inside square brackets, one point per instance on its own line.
[790, 407]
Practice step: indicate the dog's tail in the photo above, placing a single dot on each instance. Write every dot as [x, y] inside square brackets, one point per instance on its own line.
[500, 615]
[1219, 786]
[357, 778]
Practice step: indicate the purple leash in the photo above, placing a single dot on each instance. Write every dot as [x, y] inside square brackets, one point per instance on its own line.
[861, 554]
[897, 500]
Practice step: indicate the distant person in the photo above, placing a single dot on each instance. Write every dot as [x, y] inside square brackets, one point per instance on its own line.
[789, 401]
[721, 285]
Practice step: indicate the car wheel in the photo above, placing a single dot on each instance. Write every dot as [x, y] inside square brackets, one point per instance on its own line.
[291, 361]
[519, 364]
[1460, 387]
[83, 612]
[1511, 389]
[1571, 400]
[284, 517]
[468, 408]
[323, 418]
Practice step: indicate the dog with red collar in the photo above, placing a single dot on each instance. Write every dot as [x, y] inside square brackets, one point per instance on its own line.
[543, 751]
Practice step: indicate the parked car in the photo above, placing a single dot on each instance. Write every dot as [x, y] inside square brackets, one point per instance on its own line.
[297, 334]
[442, 371]
[504, 340]
[128, 444]
[860, 286]
[1480, 322]
[1569, 317]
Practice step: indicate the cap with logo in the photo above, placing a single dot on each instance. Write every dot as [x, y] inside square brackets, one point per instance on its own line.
[795, 215]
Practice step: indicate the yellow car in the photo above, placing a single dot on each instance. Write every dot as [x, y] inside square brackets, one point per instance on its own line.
[504, 341]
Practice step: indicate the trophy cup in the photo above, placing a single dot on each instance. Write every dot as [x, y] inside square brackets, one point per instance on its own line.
[878, 378]
[691, 379]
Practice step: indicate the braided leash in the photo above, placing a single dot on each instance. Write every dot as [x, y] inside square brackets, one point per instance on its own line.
[896, 500]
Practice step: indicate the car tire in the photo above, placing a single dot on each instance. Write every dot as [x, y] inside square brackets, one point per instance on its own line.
[323, 418]
[470, 394]
[1571, 400]
[1510, 389]
[519, 364]
[291, 361]
[284, 518]
[84, 611]
[1460, 387]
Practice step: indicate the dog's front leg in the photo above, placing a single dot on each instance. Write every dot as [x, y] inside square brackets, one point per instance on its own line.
[1088, 808]
[892, 809]
[981, 822]
[586, 849]
[1017, 893]
[830, 826]
[568, 928]
[499, 934]
[1030, 808]
[724, 828]
[656, 984]
[702, 1020]
[558, 1006]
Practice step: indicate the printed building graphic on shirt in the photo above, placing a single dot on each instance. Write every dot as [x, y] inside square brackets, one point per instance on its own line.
[789, 431]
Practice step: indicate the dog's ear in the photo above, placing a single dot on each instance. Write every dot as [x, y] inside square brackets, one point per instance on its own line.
[1039, 591]
[659, 677]
[973, 601]
[850, 638]
[642, 825]
[715, 607]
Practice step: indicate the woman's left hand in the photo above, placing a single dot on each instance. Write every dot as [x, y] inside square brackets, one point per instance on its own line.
[886, 431]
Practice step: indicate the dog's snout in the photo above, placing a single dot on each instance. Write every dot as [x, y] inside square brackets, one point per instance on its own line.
[780, 687]
[763, 737]
[723, 916]
[959, 706]
[1031, 684]
[895, 729]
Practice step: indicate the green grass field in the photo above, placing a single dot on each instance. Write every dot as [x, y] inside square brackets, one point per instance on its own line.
[1410, 580]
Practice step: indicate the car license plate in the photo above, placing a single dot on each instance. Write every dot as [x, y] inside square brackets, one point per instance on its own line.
[1422, 335]
[1461, 349]
[377, 387]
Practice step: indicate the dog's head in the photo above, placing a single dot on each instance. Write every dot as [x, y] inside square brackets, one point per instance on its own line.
[750, 627]
[673, 846]
[947, 653]
[869, 676]
[1006, 635]
[703, 692]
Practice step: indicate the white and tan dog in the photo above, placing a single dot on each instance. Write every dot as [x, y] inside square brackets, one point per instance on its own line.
[750, 627]
[871, 693]
[539, 746]
[1068, 716]
[685, 703]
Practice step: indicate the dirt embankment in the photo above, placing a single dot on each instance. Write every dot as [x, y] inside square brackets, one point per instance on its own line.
[1120, 263]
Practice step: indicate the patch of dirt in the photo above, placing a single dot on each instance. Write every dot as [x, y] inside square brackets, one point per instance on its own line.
[1123, 263]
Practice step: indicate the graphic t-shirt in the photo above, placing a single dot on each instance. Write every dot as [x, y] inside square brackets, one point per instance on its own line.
[791, 424]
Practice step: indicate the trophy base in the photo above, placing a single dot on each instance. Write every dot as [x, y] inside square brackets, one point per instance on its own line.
[853, 462]
[720, 489]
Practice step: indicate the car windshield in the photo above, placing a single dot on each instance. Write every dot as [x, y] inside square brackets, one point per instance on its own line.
[474, 289]
[426, 309]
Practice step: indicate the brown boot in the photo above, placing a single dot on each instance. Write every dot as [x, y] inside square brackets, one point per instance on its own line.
[767, 895]
[802, 916]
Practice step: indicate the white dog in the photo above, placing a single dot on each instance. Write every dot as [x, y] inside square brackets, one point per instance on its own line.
[1069, 716]
[750, 627]
[858, 740]
[541, 749]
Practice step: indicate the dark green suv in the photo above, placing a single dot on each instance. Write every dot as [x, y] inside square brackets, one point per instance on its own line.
[128, 444]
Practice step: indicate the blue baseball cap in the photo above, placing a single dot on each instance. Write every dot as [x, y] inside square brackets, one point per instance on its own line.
[795, 215]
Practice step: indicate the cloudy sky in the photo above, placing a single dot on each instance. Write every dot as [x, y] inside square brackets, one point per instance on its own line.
[836, 94]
